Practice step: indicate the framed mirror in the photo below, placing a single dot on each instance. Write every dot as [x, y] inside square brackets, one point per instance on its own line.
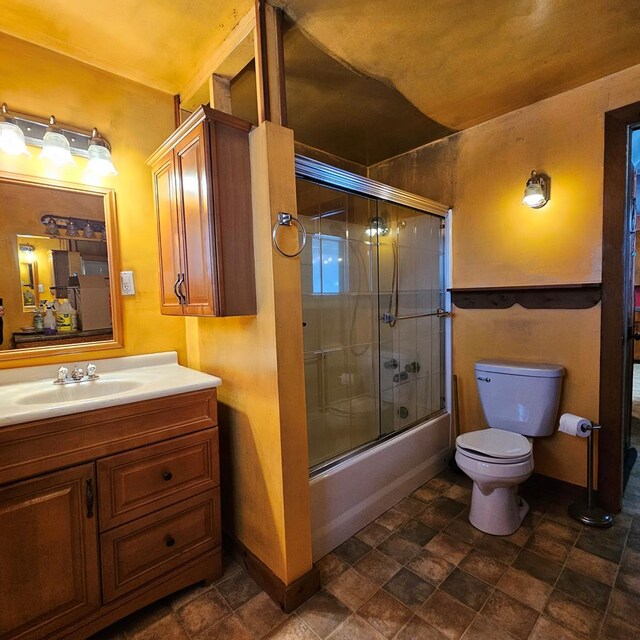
[58, 268]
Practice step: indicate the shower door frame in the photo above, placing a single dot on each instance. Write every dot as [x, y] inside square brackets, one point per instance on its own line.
[332, 177]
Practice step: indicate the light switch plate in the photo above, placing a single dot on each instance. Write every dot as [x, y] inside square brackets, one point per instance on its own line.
[127, 286]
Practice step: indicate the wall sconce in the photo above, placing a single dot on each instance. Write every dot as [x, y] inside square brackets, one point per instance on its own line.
[58, 142]
[377, 227]
[27, 253]
[537, 192]
[76, 228]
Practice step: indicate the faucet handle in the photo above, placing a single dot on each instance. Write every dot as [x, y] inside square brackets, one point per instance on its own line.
[62, 374]
[91, 370]
[77, 373]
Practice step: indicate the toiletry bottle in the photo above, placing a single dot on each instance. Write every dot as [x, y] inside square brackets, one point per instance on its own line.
[38, 320]
[63, 317]
[49, 322]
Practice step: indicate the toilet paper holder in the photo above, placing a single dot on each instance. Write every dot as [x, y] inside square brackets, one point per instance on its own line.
[588, 512]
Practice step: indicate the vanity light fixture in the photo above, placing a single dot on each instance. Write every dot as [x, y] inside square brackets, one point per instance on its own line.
[59, 142]
[55, 147]
[76, 228]
[537, 191]
[11, 136]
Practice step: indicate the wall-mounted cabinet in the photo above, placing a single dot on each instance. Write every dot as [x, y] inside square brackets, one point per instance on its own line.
[202, 185]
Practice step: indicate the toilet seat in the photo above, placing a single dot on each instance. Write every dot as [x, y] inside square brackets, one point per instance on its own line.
[494, 446]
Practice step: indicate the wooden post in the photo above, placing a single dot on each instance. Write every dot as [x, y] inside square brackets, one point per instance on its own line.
[269, 57]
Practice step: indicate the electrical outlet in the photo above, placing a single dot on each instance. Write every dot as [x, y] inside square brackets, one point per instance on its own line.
[127, 287]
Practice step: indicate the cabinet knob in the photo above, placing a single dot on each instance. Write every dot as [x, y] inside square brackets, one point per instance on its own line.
[170, 541]
[167, 475]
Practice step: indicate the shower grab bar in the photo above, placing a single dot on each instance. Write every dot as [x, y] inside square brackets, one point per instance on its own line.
[388, 318]
[285, 220]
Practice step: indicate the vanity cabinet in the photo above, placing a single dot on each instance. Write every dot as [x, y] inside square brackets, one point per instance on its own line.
[49, 567]
[104, 512]
[202, 187]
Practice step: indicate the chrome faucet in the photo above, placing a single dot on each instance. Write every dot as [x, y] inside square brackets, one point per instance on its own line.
[77, 374]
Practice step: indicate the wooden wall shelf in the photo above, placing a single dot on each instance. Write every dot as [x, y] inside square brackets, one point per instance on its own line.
[556, 296]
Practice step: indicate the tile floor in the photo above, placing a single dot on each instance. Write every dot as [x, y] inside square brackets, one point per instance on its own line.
[422, 572]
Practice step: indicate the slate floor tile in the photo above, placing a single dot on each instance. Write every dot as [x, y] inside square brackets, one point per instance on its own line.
[323, 614]
[466, 588]
[446, 614]
[385, 614]
[409, 588]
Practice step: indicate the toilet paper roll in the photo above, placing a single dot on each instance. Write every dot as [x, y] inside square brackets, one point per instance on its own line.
[575, 425]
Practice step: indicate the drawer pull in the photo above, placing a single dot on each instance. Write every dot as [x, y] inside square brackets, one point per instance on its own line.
[167, 475]
[170, 541]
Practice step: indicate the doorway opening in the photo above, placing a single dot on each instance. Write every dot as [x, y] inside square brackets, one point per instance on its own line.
[631, 471]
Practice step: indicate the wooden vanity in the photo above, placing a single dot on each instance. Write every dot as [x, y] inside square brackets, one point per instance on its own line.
[106, 511]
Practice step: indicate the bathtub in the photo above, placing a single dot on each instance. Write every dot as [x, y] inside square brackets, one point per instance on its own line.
[347, 497]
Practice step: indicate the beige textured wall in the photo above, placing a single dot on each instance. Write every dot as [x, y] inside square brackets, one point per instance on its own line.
[499, 242]
[262, 398]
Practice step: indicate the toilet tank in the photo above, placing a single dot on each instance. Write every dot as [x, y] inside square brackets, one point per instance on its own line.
[520, 397]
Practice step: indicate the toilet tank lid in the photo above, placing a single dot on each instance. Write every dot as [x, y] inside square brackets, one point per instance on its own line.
[531, 369]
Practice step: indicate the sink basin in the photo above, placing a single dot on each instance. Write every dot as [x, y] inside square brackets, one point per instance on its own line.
[78, 391]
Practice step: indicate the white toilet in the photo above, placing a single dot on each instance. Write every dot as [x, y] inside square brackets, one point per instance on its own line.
[518, 400]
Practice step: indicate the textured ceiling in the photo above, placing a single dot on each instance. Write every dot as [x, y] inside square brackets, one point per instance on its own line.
[458, 63]
[155, 42]
[464, 62]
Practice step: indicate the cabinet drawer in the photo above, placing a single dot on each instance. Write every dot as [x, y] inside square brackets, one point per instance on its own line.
[149, 547]
[138, 482]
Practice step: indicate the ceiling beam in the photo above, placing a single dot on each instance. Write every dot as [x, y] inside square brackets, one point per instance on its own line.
[226, 61]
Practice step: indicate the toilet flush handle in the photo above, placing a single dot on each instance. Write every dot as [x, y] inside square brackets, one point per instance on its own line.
[482, 379]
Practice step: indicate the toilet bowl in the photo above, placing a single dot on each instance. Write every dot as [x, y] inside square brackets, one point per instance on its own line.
[518, 400]
[496, 507]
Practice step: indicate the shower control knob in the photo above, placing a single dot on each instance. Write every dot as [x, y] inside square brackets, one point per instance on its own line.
[403, 412]
[391, 364]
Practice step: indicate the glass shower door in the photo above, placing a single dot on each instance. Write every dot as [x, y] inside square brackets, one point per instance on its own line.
[411, 285]
[340, 306]
[372, 284]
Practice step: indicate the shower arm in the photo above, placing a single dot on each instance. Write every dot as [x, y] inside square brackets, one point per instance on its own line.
[388, 318]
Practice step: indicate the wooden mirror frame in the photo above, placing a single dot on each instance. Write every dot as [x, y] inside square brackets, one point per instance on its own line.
[110, 218]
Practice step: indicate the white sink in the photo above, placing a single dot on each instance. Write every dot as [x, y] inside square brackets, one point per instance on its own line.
[28, 393]
[74, 392]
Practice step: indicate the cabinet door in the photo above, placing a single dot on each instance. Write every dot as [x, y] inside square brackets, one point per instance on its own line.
[49, 556]
[169, 234]
[194, 198]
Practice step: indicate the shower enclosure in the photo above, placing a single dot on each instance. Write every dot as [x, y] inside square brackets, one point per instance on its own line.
[373, 298]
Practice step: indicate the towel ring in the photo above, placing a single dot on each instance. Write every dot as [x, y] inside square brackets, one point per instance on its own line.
[285, 220]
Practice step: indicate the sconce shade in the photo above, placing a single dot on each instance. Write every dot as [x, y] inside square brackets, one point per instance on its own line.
[536, 193]
[55, 147]
[11, 136]
[100, 161]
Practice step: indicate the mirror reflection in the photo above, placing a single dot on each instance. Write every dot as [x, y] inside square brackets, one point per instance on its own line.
[54, 267]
